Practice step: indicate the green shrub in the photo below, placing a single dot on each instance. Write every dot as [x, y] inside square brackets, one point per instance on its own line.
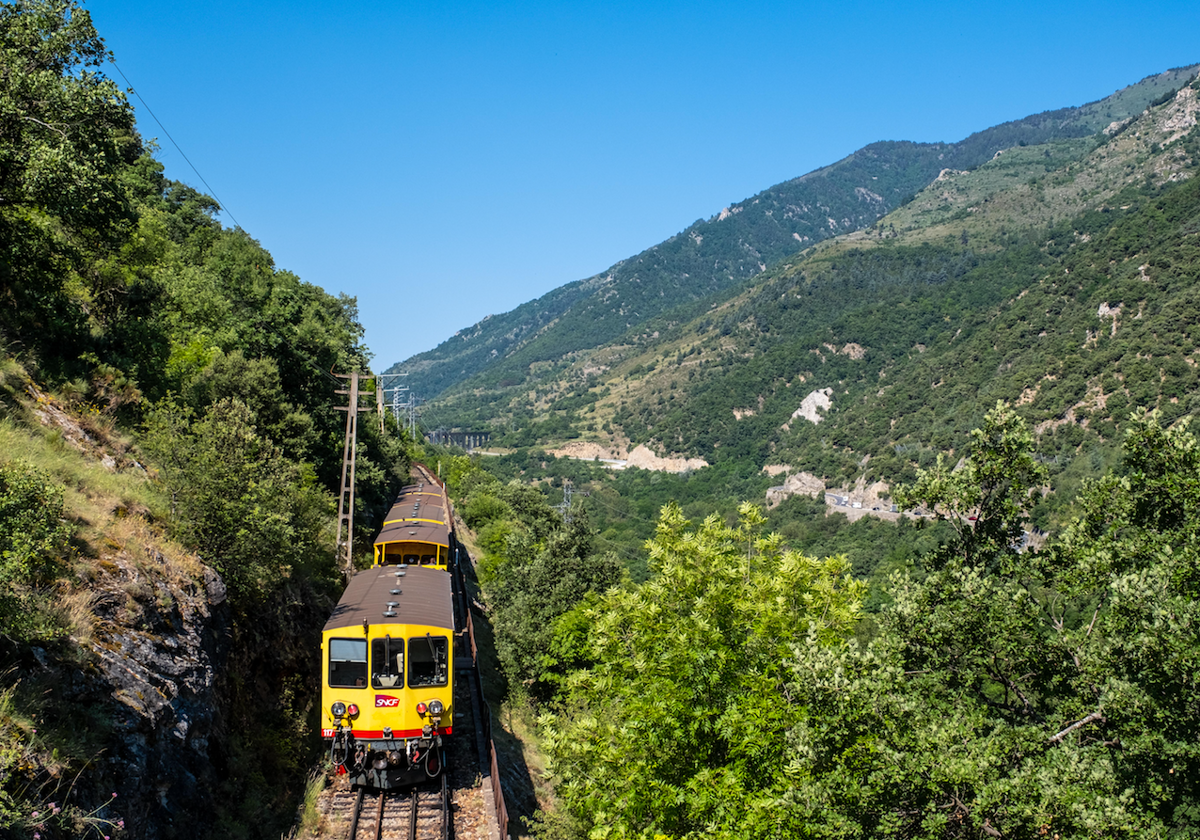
[32, 538]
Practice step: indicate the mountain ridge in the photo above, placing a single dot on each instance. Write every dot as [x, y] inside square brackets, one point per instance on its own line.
[1054, 277]
[731, 247]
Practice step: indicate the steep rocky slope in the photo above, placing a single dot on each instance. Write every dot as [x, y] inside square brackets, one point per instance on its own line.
[136, 709]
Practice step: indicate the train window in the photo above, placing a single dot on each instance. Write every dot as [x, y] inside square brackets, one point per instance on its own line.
[428, 661]
[411, 559]
[428, 560]
[387, 663]
[348, 663]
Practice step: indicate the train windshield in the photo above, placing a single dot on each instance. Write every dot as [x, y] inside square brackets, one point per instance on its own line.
[428, 661]
[387, 663]
[348, 663]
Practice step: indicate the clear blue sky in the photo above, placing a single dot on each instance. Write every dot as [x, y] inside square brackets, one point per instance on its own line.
[445, 161]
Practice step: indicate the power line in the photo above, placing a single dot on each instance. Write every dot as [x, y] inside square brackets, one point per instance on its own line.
[224, 208]
[617, 548]
[211, 191]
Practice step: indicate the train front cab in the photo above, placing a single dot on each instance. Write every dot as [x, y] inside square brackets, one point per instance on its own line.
[388, 701]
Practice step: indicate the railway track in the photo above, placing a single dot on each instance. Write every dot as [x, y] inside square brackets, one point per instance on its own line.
[420, 814]
[466, 803]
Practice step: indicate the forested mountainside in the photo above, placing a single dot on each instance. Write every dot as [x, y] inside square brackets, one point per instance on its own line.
[168, 449]
[1012, 330]
[516, 348]
[1056, 276]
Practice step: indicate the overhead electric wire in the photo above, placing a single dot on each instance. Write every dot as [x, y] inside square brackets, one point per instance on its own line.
[616, 548]
[149, 111]
[224, 209]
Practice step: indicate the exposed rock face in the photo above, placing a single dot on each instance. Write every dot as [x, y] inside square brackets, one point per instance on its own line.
[642, 457]
[139, 694]
[862, 500]
[138, 681]
[1181, 117]
[798, 483]
[587, 451]
[812, 406]
[160, 643]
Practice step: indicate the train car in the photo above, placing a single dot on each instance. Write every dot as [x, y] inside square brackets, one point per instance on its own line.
[388, 676]
[419, 529]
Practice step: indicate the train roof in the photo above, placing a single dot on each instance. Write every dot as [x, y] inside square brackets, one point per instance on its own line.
[419, 515]
[424, 598]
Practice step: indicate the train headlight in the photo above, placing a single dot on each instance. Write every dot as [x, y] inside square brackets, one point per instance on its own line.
[338, 709]
[435, 707]
[352, 710]
[421, 708]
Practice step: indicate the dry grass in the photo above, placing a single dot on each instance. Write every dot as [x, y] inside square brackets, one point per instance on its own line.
[74, 609]
[112, 502]
[310, 822]
[93, 492]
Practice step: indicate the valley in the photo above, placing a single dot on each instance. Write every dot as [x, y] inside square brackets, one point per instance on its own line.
[862, 507]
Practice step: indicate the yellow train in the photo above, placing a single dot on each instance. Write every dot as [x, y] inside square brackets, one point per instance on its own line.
[387, 651]
[419, 529]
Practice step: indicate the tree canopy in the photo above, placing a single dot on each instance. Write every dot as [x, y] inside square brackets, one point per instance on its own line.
[1000, 691]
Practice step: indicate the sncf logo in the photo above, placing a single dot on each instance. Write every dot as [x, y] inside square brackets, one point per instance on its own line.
[383, 701]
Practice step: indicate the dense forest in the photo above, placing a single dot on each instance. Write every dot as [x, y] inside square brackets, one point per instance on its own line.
[748, 689]
[167, 412]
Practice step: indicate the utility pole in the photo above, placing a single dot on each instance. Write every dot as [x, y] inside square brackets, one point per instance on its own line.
[345, 546]
[396, 391]
[397, 404]
[565, 507]
[379, 402]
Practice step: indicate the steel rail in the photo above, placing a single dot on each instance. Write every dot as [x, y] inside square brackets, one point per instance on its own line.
[379, 816]
[412, 822]
[354, 815]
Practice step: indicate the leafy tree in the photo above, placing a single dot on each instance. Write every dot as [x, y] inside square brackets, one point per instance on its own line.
[248, 511]
[1129, 570]
[987, 498]
[677, 727]
[1038, 696]
[65, 129]
[66, 132]
[1001, 692]
[534, 588]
